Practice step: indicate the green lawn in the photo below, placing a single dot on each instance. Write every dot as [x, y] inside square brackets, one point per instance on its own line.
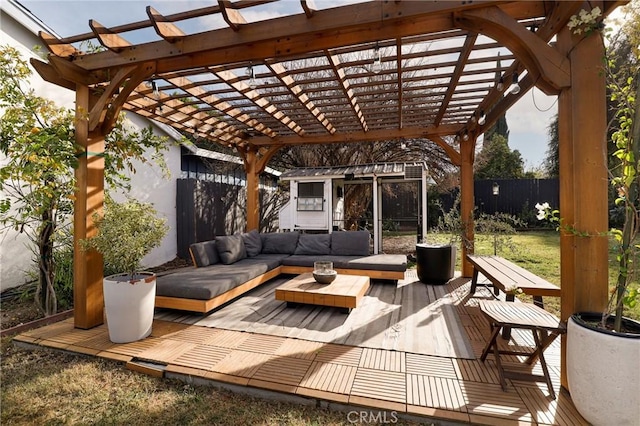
[539, 252]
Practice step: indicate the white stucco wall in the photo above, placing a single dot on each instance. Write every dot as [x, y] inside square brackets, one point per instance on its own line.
[19, 30]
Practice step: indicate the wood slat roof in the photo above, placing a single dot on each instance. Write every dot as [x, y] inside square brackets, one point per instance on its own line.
[310, 76]
[360, 170]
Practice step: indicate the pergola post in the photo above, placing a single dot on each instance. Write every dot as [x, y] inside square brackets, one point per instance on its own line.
[253, 190]
[88, 297]
[583, 177]
[467, 202]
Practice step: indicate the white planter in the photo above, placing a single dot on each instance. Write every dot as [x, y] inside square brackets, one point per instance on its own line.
[603, 371]
[129, 305]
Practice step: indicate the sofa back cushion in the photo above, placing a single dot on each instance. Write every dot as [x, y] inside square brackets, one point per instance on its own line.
[310, 244]
[230, 248]
[204, 253]
[350, 243]
[252, 243]
[279, 242]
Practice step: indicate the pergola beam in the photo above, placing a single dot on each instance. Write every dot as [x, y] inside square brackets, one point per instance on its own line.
[291, 35]
[253, 95]
[362, 136]
[164, 27]
[334, 61]
[107, 37]
[455, 77]
[232, 17]
[538, 57]
[297, 91]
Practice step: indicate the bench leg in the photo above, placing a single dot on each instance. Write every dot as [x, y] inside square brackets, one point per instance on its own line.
[492, 341]
[492, 344]
[543, 363]
[537, 300]
[506, 331]
[474, 282]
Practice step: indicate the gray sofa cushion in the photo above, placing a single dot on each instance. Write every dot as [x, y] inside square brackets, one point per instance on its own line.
[230, 248]
[310, 244]
[279, 242]
[350, 243]
[308, 260]
[211, 281]
[204, 253]
[252, 243]
[379, 262]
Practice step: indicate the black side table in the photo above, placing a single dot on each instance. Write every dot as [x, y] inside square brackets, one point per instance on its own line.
[435, 263]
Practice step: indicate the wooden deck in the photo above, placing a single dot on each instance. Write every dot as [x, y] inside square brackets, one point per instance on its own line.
[444, 387]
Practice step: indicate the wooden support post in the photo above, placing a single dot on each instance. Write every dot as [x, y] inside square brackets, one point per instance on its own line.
[583, 176]
[88, 298]
[467, 202]
[253, 190]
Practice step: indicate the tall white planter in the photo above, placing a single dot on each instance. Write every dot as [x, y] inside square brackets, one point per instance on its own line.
[603, 371]
[129, 305]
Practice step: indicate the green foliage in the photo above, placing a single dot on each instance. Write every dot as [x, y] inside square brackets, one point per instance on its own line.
[37, 137]
[551, 163]
[497, 227]
[125, 234]
[624, 90]
[37, 180]
[497, 161]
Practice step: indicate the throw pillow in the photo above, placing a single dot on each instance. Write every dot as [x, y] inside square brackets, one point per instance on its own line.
[314, 244]
[204, 253]
[279, 242]
[230, 248]
[350, 243]
[252, 243]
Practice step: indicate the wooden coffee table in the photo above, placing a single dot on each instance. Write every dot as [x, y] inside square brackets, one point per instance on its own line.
[344, 292]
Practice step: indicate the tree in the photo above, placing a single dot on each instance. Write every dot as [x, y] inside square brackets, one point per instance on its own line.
[551, 163]
[37, 181]
[500, 127]
[497, 161]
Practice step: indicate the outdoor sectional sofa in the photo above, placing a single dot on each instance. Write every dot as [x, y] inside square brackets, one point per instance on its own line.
[229, 266]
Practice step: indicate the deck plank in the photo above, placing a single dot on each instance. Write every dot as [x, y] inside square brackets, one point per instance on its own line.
[452, 388]
[378, 384]
[202, 356]
[329, 377]
[410, 317]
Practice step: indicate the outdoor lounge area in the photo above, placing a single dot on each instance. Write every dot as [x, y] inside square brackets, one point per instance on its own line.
[413, 349]
[251, 85]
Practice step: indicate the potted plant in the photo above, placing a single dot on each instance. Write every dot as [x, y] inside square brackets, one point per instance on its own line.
[125, 234]
[603, 348]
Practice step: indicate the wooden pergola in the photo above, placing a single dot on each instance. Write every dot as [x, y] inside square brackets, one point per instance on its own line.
[379, 70]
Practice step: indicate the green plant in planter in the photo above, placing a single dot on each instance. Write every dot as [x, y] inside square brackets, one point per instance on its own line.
[625, 175]
[125, 234]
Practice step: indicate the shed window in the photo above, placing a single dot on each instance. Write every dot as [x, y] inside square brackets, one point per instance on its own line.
[310, 196]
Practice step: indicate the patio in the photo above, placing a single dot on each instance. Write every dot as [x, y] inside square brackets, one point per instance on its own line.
[280, 361]
[375, 71]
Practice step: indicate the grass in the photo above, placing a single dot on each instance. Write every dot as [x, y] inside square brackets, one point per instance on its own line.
[53, 388]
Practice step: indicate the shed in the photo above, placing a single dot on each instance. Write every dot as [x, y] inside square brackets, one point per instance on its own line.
[317, 200]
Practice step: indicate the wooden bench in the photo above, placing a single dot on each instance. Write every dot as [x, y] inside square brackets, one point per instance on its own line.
[508, 277]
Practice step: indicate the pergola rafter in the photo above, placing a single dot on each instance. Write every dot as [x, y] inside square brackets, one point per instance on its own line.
[317, 85]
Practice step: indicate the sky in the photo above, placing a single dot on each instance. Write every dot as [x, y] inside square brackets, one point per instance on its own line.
[528, 119]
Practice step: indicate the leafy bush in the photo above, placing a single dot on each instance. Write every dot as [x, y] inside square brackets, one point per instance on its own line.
[125, 234]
